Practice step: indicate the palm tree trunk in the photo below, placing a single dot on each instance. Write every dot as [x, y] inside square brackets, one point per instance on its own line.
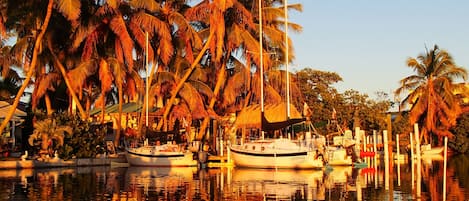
[32, 66]
[119, 120]
[218, 85]
[183, 80]
[69, 86]
[48, 105]
[103, 108]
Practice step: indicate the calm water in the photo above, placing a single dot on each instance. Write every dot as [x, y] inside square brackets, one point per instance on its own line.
[137, 183]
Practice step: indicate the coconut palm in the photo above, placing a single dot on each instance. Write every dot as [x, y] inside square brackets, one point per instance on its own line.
[47, 130]
[11, 81]
[236, 40]
[106, 48]
[434, 104]
[69, 9]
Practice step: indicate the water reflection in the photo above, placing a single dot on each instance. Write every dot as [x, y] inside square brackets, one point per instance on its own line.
[141, 183]
[145, 183]
[278, 184]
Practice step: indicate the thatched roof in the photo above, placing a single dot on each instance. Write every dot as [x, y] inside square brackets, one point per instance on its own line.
[250, 117]
[129, 107]
[5, 108]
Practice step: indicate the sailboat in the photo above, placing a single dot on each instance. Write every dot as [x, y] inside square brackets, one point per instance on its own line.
[166, 154]
[282, 152]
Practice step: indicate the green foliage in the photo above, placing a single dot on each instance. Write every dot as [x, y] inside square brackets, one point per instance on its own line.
[401, 124]
[352, 108]
[87, 139]
[460, 141]
[48, 132]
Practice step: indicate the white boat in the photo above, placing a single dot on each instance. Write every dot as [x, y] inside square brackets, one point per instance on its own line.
[166, 155]
[427, 149]
[337, 155]
[160, 155]
[276, 153]
[340, 152]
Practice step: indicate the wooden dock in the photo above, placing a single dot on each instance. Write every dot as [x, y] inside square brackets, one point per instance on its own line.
[219, 161]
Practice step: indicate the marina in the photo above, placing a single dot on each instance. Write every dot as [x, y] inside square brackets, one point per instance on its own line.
[233, 183]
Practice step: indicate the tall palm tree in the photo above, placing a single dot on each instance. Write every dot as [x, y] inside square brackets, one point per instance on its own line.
[64, 7]
[434, 104]
[105, 39]
[236, 40]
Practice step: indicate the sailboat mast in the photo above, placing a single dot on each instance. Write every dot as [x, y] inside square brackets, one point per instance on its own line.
[286, 59]
[261, 64]
[147, 84]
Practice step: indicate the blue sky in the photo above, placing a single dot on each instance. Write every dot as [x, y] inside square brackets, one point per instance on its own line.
[367, 42]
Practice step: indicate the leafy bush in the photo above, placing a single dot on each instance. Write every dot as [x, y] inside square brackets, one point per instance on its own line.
[87, 139]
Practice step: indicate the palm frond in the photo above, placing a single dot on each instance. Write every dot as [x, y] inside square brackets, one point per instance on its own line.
[245, 18]
[193, 99]
[199, 12]
[272, 95]
[162, 77]
[105, 76]
[235, 86]
[81, 34]
[134, 79]
[118, 26]
[79, 74]
[152, 6]
[114, 4]
[70, 9]
[154, 25]
[201, 74]
[140, 38]
[202, 88]
[42, 85]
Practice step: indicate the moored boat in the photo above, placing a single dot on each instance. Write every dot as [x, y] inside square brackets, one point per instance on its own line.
[427, 149]
[276, 153]
[166, 155]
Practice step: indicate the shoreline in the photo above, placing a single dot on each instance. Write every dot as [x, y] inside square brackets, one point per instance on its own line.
[17, 163]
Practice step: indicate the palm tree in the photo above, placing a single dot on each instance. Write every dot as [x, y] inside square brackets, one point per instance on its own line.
[236, 39]
[11, 81]
[47, 130]
[432, 89]
[32, 65]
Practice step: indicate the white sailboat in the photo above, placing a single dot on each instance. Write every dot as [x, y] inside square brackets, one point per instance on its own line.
[166, 155]
[276, 153]
[156, 154]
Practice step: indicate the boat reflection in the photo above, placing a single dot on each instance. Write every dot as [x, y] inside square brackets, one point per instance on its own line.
[228, 183]
[271, 184]
[165, 183]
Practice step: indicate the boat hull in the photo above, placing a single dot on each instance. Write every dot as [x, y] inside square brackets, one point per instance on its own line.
[433, 151]
[160, 159]
[338, 157]
[291, 159]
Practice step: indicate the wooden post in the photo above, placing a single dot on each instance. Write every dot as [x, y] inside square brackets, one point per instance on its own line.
[221, 146]
[398, 161]
[375, 159]
[419, 161]
[386, 160]
[359, 189]
[228, 153]
[412, 158]
[357, 141]
[444, 168]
